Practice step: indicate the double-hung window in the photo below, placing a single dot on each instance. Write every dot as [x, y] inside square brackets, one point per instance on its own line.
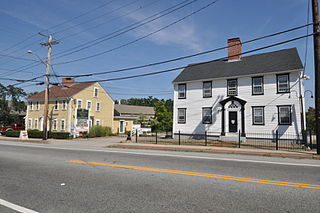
[79, 104]
[283, 83]
[182, 91]
[284, 115]
[63, 124]
[64, 105]
[95, 92]
[232, 86]
[55, 124]
[89, 103]
[98, 106]
[56, 105]
[207, 89]
[258, 115]
[207, 115]
[37, 105]
[257, 86]
[181, 115]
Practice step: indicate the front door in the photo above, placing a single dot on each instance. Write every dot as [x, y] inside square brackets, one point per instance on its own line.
[121, 126]
[233, 121]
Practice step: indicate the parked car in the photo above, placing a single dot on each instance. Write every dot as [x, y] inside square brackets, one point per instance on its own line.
[15, 126]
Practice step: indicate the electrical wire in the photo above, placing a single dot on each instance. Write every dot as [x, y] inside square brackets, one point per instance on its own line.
[125, 29]
[185, 57]
[182, 67]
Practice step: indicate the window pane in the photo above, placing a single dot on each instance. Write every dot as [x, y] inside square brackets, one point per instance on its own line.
[181, 115]
[232, 87]
[284, 115]
[258, 115]
[207, 115]
[181, 91]
[283, 83]
[207, 89]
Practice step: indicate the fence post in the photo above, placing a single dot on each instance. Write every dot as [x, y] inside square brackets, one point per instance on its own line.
[205, 138]
[179, 138]
[310, 142]
[136, 135]
[277, 140]
[156, 137]
[239, 138]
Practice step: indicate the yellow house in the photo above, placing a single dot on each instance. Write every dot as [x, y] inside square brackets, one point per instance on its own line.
[126, 115]
[66, 102]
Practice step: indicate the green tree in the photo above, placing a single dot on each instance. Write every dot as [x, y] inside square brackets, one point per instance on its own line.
[163, 117]
[311, 119]
[14, 94]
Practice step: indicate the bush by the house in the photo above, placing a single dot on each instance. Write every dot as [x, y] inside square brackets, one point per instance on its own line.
[13, 133]
[33, 133]
[98, 131]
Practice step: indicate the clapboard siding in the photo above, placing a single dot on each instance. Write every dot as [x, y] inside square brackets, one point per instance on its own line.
[194, 103]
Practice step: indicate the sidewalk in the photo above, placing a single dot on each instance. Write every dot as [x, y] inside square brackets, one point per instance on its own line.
[224, 150]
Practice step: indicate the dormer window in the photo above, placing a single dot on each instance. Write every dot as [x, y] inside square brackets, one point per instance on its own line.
[232, 85]
[182, 91]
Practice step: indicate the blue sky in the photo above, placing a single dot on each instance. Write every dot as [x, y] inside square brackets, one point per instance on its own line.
[205, 30]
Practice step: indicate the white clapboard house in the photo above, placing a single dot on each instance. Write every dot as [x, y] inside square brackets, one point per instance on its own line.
[251, 94]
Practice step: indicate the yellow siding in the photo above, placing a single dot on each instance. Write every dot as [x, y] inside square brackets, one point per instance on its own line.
[128, 125]
[105, 115]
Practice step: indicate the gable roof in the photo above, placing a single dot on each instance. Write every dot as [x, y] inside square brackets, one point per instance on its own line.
[61, 91]
[132, 109]
[271, 62]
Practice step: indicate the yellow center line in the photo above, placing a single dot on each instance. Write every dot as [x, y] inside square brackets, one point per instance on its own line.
[224, 177]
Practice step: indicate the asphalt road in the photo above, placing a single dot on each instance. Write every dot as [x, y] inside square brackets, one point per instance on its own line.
[45, 178]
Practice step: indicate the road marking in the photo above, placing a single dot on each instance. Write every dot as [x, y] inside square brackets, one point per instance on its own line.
[16, 207]
[162, 155]
[216, 176]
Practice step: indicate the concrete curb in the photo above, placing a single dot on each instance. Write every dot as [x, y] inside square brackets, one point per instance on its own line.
[221, 151]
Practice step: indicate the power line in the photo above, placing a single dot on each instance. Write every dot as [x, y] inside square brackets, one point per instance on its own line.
[111, 20]
[17, 57]
[182, 67]
[97, 17]
[124, 29]
[185, 57]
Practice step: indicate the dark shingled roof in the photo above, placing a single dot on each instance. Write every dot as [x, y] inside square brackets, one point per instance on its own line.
[132, 109]
[277, 61]
[61, 91]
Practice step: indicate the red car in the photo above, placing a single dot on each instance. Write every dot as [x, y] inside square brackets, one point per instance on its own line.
[15, 126]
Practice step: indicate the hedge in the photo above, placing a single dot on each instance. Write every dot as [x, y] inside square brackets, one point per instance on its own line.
[38, 134]
[98, 131]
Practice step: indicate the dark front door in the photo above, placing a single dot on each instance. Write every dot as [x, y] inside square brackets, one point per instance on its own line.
[233, 122]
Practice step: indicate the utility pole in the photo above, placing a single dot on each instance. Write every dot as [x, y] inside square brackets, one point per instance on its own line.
[316, 43]
[51, 41]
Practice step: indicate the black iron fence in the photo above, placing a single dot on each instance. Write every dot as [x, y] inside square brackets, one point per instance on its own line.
[261, 140]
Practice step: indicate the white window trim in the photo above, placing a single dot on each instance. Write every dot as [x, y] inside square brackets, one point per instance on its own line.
[184, 92]
[78, 103]
[38, 105]
[98, 103]
[185, 116]
[64, 106]
[97, 121]
[54, 107]
[64, 127]
[94, 92]
[36, 121]
[90, 105]
[31, 105]
[55, 120]
[254, 115]
[30, 122]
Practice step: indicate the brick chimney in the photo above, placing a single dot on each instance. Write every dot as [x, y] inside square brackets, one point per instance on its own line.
[67, 82]
[234, 49]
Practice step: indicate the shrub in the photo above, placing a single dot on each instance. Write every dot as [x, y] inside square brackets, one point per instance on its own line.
[34, 133]
[99, 131]
[59, 135]
[13, 133]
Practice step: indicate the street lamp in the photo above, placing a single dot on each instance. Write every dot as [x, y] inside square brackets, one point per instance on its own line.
[46, 96]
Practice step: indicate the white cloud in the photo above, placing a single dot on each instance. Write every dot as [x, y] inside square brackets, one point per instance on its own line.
[184, 33]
